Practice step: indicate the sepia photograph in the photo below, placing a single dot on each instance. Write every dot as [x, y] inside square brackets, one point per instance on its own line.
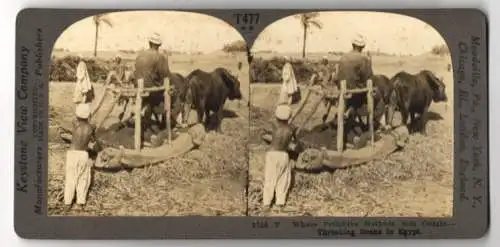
[148, 116]
[351, 114]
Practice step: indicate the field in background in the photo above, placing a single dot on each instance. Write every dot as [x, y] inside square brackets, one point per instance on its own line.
[209, 181]
[417, 181]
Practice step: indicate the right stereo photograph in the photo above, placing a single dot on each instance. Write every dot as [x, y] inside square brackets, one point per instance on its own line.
[351, 114]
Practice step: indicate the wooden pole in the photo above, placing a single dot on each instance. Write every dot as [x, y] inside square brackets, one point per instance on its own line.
[166, 84]
[99, 101]
[138, 109]
[109, 110]
[340, 117]
[304, 99]
[370, 110]
[314, 109]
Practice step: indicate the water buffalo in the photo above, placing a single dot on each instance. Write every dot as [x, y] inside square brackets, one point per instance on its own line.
[382, 105]
[180, 101]
[414, 93]
[210, 91]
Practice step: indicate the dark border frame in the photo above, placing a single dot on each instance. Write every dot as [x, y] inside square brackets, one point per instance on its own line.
[471, 195]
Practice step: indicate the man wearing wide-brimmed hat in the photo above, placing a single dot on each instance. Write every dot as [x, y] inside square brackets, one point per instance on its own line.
[278, 170]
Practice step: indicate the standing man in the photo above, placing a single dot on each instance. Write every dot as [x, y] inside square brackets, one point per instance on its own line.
[78, 164]
[118, 71]
[324, 73]
[356, 68]
[152, 66]
[327, 82]
[278, 170]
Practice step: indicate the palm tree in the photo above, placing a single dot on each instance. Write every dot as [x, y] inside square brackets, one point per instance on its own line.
[98, 20]
[307, 20]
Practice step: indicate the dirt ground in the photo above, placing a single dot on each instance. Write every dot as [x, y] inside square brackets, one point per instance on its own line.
[416, 181]
[211, 180]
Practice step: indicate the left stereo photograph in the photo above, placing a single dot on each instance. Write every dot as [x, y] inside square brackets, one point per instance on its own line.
[148, 117]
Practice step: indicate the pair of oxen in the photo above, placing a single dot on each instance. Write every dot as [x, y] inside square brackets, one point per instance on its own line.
[410, 94]
[200, 90]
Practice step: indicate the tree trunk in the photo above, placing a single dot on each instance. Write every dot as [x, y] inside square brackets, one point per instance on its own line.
[304, 42]
[96, 36]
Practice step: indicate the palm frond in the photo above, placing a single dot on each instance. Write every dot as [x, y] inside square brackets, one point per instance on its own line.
[102, 18]
[298, 16]
[311, 15]
[107, 21]
[316, 23]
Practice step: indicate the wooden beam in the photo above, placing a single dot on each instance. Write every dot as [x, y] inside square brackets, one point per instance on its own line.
[304, 100]
[337, 94]
[369, 96]
[168, 106]
[109, 110]
[99, 102]
[138, 109]
[134, 90]
[340, 117]
[357, 90]
[314, 109]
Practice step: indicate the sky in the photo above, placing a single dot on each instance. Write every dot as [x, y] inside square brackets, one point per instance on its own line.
[180, 31]
[192, 32]
[387, 32]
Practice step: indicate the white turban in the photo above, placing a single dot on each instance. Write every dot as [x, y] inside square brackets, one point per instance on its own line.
[82, 111]
[359, 40]
[283, 112]
[155, 38]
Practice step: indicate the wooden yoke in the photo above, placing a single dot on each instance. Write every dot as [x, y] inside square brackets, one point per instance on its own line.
[138, 109]
[168, 106]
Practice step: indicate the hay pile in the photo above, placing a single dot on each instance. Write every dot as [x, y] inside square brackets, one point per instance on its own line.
[269, 71]
[64, 69]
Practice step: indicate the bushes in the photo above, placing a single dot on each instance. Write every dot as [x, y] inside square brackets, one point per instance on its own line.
[64, 69]
[236, 46]
[440, 50]
[269, 71]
